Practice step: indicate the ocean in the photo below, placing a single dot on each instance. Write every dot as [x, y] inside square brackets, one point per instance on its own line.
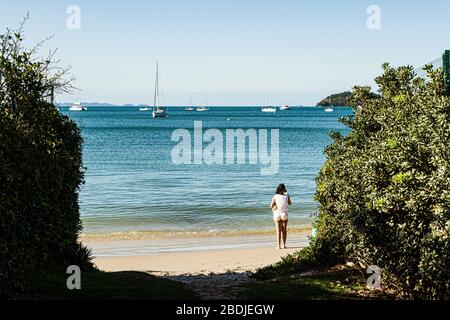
[132, 182]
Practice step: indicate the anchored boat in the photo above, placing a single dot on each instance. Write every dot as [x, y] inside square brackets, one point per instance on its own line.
[269, 108]
[158, 111]
[77, 107]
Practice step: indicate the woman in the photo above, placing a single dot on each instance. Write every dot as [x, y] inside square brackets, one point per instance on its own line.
[279, 205]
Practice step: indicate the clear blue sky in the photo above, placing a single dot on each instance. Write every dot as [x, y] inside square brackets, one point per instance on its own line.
[231, 51]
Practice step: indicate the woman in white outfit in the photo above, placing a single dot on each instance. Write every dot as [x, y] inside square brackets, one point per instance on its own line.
[280, 205]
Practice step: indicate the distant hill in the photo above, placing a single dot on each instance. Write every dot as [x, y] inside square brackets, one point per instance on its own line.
[338, 100]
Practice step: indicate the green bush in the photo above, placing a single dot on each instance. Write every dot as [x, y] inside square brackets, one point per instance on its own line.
[384, 191]
[40, 171]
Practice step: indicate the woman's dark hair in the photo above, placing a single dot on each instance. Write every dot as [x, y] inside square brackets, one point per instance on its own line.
[281, 189]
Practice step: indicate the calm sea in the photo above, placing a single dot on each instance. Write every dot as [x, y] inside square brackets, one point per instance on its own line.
[132, 183]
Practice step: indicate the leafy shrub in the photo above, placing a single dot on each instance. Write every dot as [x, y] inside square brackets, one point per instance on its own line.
[384, 191]
[80, 255]
[40, 171]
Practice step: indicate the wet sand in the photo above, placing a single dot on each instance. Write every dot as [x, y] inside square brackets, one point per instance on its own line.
[195, 255]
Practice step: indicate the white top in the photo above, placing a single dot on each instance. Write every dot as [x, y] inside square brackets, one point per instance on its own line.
[281, 200]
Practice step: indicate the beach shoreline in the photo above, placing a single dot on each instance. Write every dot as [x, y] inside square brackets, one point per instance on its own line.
[171, 234]
[193, 255]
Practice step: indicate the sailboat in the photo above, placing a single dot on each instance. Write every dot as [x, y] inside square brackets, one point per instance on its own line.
[144, 108]
[269, 108]
[204, 108]
[329, 108]
[157, 111]
[190, 108]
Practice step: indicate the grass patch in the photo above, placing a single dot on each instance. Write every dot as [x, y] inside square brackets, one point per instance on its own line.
[337, 283]
[98, 285]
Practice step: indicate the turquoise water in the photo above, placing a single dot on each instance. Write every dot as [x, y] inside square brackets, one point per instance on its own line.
[133, 185]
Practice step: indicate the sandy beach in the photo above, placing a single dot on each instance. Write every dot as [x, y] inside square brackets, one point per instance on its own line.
[192, 255]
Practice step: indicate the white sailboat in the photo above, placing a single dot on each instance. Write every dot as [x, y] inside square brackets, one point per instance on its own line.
[203, 108]
[76, 106]
[190, 108]
[269, 109]
[144, 108]
[329, 108]
[157, 111]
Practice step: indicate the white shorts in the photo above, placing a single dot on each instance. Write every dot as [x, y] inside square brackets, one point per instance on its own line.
[280, 216]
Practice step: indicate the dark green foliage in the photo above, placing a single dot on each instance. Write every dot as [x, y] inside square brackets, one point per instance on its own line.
[98, 285]
[40, 172]
[384, 191]
[327, 284]
[80, 255]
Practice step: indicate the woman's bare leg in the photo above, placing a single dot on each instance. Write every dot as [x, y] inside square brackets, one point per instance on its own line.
[284, 230]
[278, 225]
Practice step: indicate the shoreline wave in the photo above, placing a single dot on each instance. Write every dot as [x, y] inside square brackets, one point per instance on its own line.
[171, 234]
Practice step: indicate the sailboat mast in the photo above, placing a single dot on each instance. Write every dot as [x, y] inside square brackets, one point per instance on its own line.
[155, 98]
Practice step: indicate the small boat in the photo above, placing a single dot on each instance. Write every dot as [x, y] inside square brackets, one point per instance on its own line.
[190, 108]
[160, 113]
[157, 111]
[285, 108]
[77, 107]
[144, 108]
[329, 107]
[204, 107]
[268, 109]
